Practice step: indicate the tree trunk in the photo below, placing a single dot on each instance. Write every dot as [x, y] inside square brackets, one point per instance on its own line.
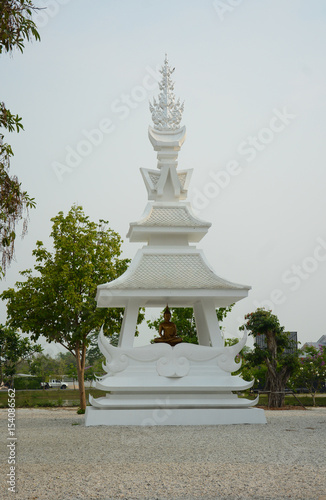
[80, 362]
[276, 399]
[277, 390]
[276, 382]
[313, 394]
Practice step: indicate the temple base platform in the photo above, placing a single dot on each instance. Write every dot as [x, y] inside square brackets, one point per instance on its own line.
[174, 416]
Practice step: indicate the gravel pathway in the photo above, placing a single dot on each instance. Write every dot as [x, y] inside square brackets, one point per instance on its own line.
[60, 459]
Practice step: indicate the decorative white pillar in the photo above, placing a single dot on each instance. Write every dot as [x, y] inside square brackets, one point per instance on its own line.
[129, 324]
[208, 328]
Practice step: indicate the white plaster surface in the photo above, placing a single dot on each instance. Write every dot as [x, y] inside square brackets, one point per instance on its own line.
[171, 416]
[171, 270]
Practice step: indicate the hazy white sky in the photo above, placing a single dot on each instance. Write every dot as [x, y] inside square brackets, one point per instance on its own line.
[253, 78]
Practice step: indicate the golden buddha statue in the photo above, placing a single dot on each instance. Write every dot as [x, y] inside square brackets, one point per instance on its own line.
[168, 330]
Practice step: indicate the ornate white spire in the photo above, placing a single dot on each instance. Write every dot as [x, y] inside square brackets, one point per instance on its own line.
[167, 112]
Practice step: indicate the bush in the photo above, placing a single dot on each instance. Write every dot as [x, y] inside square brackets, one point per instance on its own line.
[27, 382]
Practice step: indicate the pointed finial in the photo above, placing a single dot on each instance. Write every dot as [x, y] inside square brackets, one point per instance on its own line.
[167, 112]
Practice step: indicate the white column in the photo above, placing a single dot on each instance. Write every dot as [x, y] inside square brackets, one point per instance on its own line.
[129, 324]
[202, 330]
[208, 328]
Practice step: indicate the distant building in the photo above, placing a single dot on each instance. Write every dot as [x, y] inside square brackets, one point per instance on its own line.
[261, 342]
[321, 341]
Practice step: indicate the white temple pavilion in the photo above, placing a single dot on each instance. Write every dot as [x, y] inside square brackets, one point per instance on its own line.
[159, 384]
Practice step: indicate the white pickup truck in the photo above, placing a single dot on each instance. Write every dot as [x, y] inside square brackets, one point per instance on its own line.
[54, 384]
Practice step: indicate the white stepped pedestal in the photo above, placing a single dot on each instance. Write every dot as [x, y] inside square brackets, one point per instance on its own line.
[172, 416]
[162, 385]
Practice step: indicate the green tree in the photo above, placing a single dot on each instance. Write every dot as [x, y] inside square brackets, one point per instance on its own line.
[63, 361]
[16, 26]
[243, 369]
[184, 319]
[13, 350]
[93, 352]
[96, 369]
[71, 372]
[59, 302]
[312, 371]
[275, 353]
[67, 365]
[43, 366]
[94, 357]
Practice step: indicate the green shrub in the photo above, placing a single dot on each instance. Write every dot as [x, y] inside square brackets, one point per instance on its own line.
[27, 383]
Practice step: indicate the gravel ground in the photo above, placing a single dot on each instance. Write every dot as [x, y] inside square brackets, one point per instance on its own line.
[60, 459]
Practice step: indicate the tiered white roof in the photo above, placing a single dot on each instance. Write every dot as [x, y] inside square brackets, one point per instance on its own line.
[163, 219]
[168, 269]
[173, 276]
